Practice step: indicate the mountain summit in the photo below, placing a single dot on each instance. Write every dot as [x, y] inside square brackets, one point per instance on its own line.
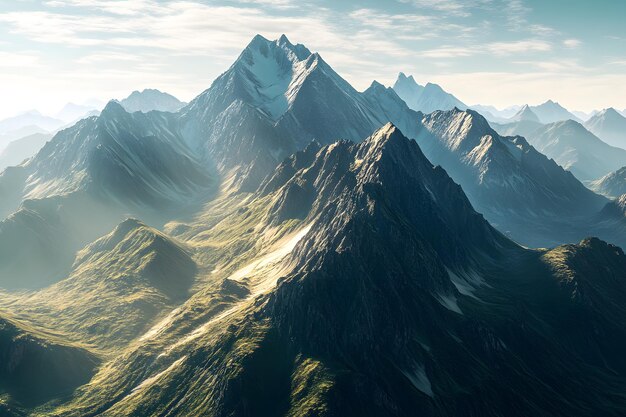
[525, 114]
[610, 126]
[577, 150]
[426, 98]
[151, 99]
[273, 100]
[612, 185]
[550, 112]
[506, 178]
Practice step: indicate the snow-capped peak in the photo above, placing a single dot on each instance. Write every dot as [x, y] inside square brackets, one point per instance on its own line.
[270, 72]
[610, 112]
[426, 98]
[525, 114]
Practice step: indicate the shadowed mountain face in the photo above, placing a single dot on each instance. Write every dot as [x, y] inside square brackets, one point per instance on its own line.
[519, 190]
[133, 158]
[36, 367]
[396, 298]
[84, 181]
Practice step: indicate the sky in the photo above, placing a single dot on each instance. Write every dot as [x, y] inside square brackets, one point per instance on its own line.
[495, 52]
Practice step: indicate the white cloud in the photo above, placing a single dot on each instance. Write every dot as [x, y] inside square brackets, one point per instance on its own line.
[494, 48]
[449, 52]
[117, 7]
[572, 43]
[182, 27]
[278, 4]
[517, 47]
[516, 12]
[458, 8]
[559, 66]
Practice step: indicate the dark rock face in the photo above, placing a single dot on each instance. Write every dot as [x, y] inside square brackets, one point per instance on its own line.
[399, 300]
[372, 299]
[35, 370]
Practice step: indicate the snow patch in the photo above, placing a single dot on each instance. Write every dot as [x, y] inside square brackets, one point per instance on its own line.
[148, 382]
[449, 301]
[261, 275]
[160, 326]
[420, 380]
[466, 283]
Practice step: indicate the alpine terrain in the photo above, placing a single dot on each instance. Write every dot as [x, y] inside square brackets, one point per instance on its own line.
[286, 245]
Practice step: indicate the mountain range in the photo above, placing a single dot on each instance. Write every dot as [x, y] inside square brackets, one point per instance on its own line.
[297, 247]
[524, 123]
[577, 150]
[584, 116]
[153, 165]
[291, 316]
[28, 120]
[23, 135]
[568, 142]
[496, 115]
[545, 113]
